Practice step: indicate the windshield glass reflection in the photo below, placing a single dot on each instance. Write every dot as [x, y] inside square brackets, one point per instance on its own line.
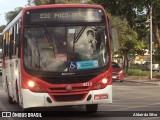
[61, 49]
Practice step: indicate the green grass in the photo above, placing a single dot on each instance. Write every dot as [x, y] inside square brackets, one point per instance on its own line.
[137, 72]
[136, 66]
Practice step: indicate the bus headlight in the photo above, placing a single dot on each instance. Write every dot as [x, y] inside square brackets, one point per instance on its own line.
[31, 84]
[120, 72]
[104, 80]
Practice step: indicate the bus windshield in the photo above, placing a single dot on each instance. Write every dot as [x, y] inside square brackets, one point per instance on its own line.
[65, 48]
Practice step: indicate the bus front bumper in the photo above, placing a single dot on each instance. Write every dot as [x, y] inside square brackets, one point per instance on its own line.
[32, 99]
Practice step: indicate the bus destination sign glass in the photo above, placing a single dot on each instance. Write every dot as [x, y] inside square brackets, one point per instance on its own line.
[67, 15]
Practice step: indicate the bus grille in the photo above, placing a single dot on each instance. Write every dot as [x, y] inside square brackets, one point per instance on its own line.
[65, 98]
[73, 88]
[68, 80]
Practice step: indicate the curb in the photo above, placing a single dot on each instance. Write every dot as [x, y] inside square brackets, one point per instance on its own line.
[144, 82]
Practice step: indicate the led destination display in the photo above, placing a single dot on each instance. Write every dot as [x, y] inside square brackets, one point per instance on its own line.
[66, 15]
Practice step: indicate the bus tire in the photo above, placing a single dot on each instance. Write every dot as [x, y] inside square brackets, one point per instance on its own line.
[10, 100]
[92, 108]
[17, 95]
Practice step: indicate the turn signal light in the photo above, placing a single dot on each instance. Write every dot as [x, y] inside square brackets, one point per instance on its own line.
[100, 84]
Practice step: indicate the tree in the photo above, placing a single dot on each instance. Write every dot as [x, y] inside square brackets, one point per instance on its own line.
[156, 20]
[128, 39]
[12, 14]
[1, 28]
[44, 2]
[69, 1]
[136, 12]
[156, 56]
[1, 37]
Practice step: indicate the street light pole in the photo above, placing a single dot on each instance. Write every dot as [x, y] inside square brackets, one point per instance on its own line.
[151, 42]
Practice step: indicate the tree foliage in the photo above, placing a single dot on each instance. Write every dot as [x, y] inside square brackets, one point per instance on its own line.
[128, 38]
[1, 28]
[136, 12]
[12, 14]
[43, 2]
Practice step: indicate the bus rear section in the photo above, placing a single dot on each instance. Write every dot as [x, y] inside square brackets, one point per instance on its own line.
[65, 57]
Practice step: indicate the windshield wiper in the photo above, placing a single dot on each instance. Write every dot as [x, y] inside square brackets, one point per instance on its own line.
[49, 38]
[39, 65]
[76, 37]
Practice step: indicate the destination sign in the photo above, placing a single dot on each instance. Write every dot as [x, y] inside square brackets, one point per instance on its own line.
[66, 15]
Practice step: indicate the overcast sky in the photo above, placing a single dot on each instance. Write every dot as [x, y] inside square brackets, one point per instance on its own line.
[9, 5]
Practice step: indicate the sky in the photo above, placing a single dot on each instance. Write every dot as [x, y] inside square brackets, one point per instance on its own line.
[9, 5]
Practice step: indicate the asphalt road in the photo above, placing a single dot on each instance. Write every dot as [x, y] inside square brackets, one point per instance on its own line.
[129, 99]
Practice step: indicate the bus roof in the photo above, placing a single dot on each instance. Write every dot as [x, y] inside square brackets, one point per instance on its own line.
[63, 5]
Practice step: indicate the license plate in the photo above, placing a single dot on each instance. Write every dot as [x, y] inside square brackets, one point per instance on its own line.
[114, 76]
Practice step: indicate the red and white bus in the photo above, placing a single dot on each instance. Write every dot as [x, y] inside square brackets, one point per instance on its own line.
[58, 55]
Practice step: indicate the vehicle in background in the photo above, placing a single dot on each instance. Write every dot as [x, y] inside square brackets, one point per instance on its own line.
[117, 72]
[147, 66]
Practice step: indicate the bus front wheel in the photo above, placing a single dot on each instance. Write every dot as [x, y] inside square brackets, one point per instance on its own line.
[92, 108]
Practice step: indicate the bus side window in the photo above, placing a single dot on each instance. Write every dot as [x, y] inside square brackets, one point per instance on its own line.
[4, 45]
[16, 37]
[7, 43]
[17, 40]
[13, 40]
[10, 42]
[6, 48]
